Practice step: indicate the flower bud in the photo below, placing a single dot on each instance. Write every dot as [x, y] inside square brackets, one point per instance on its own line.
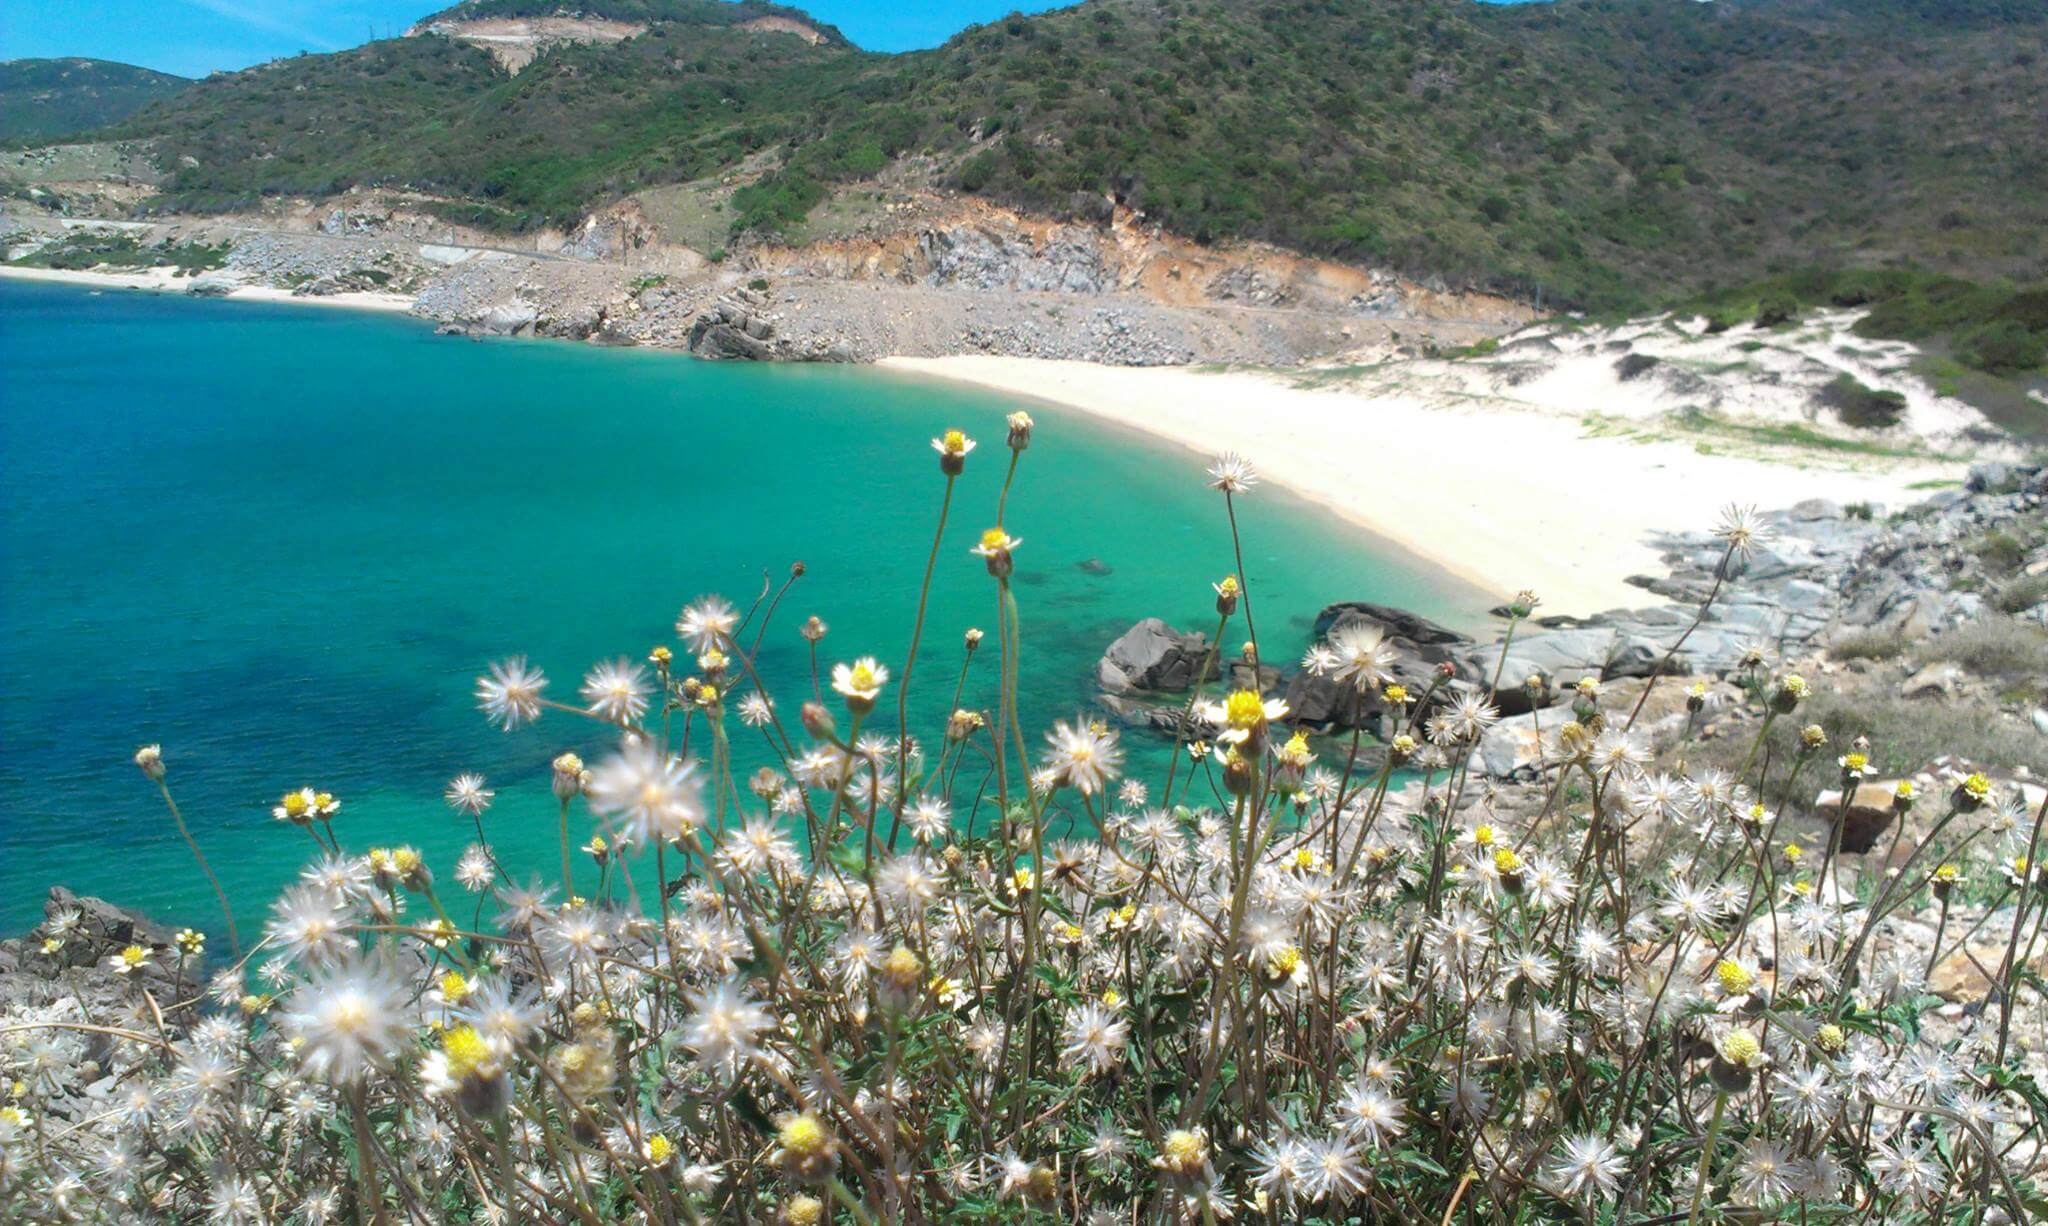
[151, 759]
[818, 721]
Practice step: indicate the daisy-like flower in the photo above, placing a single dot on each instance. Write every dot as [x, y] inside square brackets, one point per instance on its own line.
[1742, 529]
[1588, 1167]
[467, 794]
[1232, 473]
[474, 872]
[1094, 1038]
[1359, 655]
[1243, 716]
[952, 447]
[1908, 1171]
[129, 960]
[756, 710]
[706, 623]
[617, 690]
[510, 693]
[650, 796]
[1766, 1173]
[1084, 756]
[996, 545]
[1280, 1169]
[860, 682]
[929, 819]
[311, 923]
[1336, 1170]
[725, 1029]
[349, 1017]
[1370, 1113]
[1464, 721]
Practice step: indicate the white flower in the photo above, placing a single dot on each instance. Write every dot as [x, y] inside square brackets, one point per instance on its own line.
[1232, 473]
[467, 794]
[1095, 1037]
[349, 1017]
[1588, 1166]
[861, 680]
[311, 923]
[1358, 653]
[1742, 529]
[726, 1027]
[706, 623]
[650, 796]
[617, 691]
[1084, 756]
[510, 694]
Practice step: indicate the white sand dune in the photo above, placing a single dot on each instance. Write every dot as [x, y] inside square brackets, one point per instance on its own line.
[1500, 494]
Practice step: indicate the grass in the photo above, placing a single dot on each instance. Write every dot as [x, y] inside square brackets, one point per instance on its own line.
[1996, 647]
[1710, 428]
[1872, 644]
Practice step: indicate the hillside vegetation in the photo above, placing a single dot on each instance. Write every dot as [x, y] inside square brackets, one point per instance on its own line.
[1592, 152]
[46, 99]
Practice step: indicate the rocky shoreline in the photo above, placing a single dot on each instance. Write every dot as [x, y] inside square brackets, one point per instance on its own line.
[1827, 574]
[948, 285]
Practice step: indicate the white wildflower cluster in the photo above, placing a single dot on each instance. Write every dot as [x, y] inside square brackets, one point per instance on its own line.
[876, 976]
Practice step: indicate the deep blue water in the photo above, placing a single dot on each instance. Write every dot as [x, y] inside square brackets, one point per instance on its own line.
[283, 541]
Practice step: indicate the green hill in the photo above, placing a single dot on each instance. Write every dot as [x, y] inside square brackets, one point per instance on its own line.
[1599, 152]
[45, 99]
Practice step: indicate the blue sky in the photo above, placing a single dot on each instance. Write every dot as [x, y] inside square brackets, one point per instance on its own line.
[195, 37]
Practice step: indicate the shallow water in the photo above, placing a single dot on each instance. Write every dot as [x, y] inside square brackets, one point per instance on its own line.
[283, 541]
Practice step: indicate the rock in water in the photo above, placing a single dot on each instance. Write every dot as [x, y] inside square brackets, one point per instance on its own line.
[1154, 656]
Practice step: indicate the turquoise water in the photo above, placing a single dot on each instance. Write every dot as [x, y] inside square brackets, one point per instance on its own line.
[283, 541]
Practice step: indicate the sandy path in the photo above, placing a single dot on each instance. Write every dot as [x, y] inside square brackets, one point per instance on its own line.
[1503, 498]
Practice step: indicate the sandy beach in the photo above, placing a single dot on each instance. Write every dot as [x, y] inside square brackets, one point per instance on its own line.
[166, 280]
[1502, 496]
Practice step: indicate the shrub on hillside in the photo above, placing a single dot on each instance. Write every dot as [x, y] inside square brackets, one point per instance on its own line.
[1866, 408]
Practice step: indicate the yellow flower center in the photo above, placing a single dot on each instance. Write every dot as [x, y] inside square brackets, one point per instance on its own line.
[1733, 978]
[1855, 761]
[955, 441]
[1483, 836]
[133, 955]
[1244, 709]
[454, 987]
[1284, 963]
[1396, 694]
[465, 1051]
[295, 804]
[862, 677]
[1506, 862]
[660, 1149]
[1977, 786]
[1184, 1148]
[994, 538]
[1739, 1047]
[802, 1135]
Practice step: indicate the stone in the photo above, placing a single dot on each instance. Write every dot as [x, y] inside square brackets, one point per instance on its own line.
[1153, 656]
[1934, 681]
[1870, 813]
[2040, 718]
[1967, 975]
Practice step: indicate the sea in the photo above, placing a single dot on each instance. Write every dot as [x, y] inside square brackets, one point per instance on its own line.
[283, 541]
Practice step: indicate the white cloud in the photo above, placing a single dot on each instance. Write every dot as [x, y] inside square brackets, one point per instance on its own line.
[266, 17]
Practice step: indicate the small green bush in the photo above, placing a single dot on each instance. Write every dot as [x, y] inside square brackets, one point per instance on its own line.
[1865, 408]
